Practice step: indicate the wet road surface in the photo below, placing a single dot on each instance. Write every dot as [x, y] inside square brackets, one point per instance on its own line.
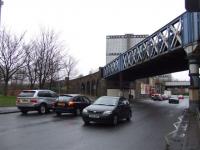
[151, 121]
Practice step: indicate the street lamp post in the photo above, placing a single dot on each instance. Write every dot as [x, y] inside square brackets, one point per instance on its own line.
[1, 3]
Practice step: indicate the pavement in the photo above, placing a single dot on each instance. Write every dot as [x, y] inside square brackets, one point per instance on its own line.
[7, 110]
[192, 139]
[186, 135]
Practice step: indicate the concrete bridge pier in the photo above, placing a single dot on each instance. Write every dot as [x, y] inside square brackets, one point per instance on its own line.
[194, 90]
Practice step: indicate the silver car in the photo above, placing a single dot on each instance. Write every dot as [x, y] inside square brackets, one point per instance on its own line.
[39, 100]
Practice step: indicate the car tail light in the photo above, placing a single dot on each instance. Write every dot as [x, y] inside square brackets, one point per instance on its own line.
[17, 100]
[71, 103]
[54, 105]
[34, 100]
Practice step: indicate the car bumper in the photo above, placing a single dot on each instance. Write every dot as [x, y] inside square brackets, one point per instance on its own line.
[28, 108]
[100, 119]
[174, 101]
[64, 110]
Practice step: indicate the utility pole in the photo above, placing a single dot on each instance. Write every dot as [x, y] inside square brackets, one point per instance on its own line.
[1, 3]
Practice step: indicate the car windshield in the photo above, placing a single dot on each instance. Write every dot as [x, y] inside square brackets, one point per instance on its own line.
[27, 94]
[64, 98]
[108, 101]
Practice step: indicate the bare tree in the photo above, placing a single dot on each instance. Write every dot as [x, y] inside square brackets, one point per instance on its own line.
[48, 56]
[12, 56]
[70, 68]
[55, 68]
[31, 66]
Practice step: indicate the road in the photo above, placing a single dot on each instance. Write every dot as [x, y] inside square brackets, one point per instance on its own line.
[151, 121]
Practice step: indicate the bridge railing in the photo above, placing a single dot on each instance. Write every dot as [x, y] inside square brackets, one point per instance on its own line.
[167, 38]
[180, 32]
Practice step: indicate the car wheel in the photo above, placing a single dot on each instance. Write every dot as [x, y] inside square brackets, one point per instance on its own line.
[129, 116]
[86, 123]
[58, 113]
[24, 112]
[77, 112]
[43, 109]
[115, 120]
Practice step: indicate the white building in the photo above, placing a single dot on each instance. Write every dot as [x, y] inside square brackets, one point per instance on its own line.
[118, 44]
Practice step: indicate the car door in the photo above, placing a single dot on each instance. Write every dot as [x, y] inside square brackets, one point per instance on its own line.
[48, 98]
[121, 108]
[42, 96]
[52, 98]
[78, 102]
[86, 101]
[127, 108]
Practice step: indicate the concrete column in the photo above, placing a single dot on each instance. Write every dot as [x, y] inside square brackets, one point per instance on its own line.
[194, 94]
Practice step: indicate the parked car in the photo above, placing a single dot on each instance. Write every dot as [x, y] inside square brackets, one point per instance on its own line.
[39, 100]
[174, 100]
[165, 96]
[180, 97]
[157, 96]
[71, 103]
[107, 109]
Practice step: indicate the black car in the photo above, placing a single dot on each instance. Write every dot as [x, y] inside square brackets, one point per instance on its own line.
[156, 97]
[107, 109]
[71, 103]
[174, 100]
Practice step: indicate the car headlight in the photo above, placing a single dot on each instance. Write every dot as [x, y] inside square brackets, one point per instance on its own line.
[107, 112]
[85, 111]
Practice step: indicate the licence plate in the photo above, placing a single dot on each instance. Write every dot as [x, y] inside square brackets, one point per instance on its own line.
[24, 101]
[61, 104]
[94, 116]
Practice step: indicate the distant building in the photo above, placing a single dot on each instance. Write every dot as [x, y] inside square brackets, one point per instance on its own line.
[164, 77]
[118, 44]
[178, 87]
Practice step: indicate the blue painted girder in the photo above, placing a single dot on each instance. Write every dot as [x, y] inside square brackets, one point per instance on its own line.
[177, 34]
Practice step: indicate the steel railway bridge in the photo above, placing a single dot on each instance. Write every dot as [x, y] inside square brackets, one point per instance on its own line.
[174, 47]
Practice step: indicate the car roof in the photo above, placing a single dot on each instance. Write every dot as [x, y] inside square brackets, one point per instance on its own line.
[37, 90]
[173, 98]
[113, 96]
[70, 95]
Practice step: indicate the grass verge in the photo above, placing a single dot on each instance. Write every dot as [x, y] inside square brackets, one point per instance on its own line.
[7, 101]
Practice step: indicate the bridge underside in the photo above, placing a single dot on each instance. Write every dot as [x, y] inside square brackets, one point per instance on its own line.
[166, 63]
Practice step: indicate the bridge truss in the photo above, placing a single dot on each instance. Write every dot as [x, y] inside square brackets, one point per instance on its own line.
[175, 35]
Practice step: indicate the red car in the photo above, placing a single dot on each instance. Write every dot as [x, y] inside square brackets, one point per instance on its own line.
[180, 97]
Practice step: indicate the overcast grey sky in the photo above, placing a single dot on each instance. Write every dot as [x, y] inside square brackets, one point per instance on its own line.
[84, 24]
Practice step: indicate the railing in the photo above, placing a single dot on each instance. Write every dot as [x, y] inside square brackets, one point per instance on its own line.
[178, 33]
